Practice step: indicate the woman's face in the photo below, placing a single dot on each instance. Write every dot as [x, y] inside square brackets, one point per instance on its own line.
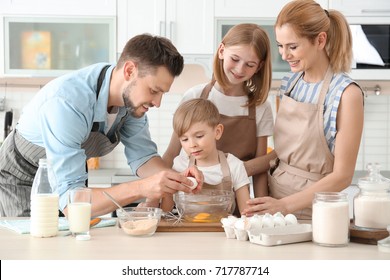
[240, 62]
[299, 52]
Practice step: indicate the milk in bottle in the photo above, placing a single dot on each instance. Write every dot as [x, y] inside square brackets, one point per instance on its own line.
[44, 203]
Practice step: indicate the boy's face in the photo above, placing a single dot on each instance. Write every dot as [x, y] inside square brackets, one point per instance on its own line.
[200, 140]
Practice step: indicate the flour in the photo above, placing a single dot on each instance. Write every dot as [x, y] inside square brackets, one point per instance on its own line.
[331, 223]
[140, 227]
[372, 211]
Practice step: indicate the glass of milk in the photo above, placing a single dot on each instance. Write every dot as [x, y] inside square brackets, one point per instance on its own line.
[79, 211]
[330, 219]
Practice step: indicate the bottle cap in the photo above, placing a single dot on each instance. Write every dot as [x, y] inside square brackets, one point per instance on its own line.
[83, 237]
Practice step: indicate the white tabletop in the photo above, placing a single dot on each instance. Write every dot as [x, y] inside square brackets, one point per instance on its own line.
[110, 243]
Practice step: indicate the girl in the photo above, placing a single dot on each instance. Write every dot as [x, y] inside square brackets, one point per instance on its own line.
[239, 88]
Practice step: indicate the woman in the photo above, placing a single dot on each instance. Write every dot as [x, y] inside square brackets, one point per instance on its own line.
[320, 119]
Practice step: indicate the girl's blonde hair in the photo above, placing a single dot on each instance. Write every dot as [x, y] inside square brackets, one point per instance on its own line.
[308, 19]
[258, 86]
[193, 111]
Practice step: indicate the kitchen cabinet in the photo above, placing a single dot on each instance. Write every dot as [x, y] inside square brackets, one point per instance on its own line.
[52, 37]
[363, 8]
[188, 24]
[52, 46]
[252, 8]
[58, 7]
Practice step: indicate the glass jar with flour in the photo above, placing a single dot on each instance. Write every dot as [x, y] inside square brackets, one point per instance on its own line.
[330, 219]
[372, 204]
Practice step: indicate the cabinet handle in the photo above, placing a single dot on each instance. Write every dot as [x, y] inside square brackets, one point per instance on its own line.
[162, 29]
[375, 11]
[172, 33]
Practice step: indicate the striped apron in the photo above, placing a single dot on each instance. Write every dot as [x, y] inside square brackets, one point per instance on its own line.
[19, 162]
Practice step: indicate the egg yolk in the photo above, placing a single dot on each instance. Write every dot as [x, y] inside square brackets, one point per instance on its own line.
[202, 216]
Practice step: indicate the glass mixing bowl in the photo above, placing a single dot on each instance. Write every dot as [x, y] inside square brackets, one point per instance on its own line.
[209, 206]
[139, 221]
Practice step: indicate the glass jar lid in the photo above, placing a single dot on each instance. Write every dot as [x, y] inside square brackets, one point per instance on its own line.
[374, 181]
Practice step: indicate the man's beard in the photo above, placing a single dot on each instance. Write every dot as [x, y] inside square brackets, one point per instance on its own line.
[130, 107]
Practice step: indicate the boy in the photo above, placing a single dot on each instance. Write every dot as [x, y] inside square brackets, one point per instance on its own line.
[197, 124]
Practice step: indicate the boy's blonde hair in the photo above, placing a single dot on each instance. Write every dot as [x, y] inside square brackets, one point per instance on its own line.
[193, 111]
[258, 86]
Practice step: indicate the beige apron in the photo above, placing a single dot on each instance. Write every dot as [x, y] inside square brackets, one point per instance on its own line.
[301, 146]
[226, 183]
[235, 127]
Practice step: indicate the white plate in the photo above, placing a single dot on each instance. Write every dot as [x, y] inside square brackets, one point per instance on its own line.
[281, 235]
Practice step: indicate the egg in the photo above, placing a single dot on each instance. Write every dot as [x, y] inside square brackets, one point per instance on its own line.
[279, 221]
[268, 221]
[229, 221]
[291, 219]
[194, 183]
[228, 226]
[278, 214]
[241, 223]
[255, 222]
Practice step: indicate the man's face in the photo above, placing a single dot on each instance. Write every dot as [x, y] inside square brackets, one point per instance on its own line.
[147, 91]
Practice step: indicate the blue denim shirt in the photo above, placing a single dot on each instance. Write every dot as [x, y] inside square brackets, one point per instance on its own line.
[60, 118]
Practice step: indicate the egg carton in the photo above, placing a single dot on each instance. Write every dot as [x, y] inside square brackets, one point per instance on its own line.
[281, 235]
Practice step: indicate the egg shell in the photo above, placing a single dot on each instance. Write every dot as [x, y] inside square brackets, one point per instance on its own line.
[291, 219]
[278, 214]
[255, 222]
[279, 221]
[268, 221]
[240, 224]
[194, 183]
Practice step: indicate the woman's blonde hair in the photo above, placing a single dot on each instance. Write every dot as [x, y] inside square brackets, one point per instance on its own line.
[308, 19]
[258, 86]
[193, 111]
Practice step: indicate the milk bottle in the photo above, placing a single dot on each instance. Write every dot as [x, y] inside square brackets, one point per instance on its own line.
[44, 203]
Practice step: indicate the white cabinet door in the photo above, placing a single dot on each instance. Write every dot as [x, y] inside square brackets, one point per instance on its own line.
[361, 8]
[58, 7]
[188, 24]
[253, 8]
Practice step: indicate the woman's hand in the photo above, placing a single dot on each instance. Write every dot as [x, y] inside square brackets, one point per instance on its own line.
[263, 205]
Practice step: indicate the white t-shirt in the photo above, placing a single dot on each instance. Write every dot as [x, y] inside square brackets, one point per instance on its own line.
[233, 106]
[213, 174]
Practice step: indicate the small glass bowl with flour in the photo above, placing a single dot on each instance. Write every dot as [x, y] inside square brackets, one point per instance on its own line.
[139, 221]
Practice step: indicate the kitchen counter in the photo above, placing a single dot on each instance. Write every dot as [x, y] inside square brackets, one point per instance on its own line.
[110, 243]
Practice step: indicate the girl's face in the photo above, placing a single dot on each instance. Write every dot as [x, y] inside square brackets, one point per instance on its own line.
[200, 141]
[240, 62]
[300, 53]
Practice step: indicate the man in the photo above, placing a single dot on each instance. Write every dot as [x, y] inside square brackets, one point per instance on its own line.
[85, 114]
